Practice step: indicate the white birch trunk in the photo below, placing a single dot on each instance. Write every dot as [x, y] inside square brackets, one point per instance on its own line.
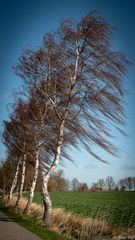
[46, 200]
[45, 177]
[22, 180]
[33, 185]
[14, 181]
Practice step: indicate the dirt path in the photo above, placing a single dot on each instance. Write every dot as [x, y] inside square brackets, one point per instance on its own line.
[10, 230]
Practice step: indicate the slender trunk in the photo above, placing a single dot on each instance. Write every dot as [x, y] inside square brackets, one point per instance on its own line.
[33, 185]
[45, 178]
[22, 181]
[14, 181]
[46, 200]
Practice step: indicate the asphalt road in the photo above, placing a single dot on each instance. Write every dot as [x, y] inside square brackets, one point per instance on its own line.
[10, 230]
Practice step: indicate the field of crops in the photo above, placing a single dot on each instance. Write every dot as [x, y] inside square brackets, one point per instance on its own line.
[116, 207]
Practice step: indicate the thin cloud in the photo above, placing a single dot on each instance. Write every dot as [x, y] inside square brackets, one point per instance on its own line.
[89, 166]
[128, 168]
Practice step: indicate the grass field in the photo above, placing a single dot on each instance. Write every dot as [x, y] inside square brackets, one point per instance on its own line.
[116, 207]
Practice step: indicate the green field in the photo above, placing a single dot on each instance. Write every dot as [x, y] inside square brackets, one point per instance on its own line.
[116, 207]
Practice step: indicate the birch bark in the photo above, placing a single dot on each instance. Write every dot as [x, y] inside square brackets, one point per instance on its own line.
[14, 181]
[22, 181]
[45, 178]
[33, 185]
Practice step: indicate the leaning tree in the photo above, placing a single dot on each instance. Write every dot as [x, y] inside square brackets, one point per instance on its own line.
[80, 77]
[41, 126]
[17, 137]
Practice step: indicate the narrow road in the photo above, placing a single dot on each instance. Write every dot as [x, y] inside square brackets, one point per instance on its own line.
[10, 230]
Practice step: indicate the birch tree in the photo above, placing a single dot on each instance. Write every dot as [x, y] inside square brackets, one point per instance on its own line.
[8, 133]
[31, 150]
[17, 137]
[32, 121]
[13, 153]
[14, 183]
[13, 156]
[5, 177]
[79, 75]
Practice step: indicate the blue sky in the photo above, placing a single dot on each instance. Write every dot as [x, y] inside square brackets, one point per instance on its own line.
[23, 24]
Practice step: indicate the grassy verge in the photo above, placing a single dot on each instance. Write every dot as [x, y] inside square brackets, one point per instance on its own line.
[30, 224]
[71, 226]
[65, 225]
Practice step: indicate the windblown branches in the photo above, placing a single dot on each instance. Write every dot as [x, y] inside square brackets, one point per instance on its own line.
[74, 84]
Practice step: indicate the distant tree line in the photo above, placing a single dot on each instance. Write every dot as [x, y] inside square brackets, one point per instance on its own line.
[58, 182]
[124, 184]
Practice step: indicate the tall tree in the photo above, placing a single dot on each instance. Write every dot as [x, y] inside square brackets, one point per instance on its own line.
[6, 170]
[133, 182]
[129, 182]
[75, 184]
[110, 182]
[122, 184]
[83, 187]
[58, 183]
[101, 183]
[81, 78]
[14, 182]
[17, 137]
